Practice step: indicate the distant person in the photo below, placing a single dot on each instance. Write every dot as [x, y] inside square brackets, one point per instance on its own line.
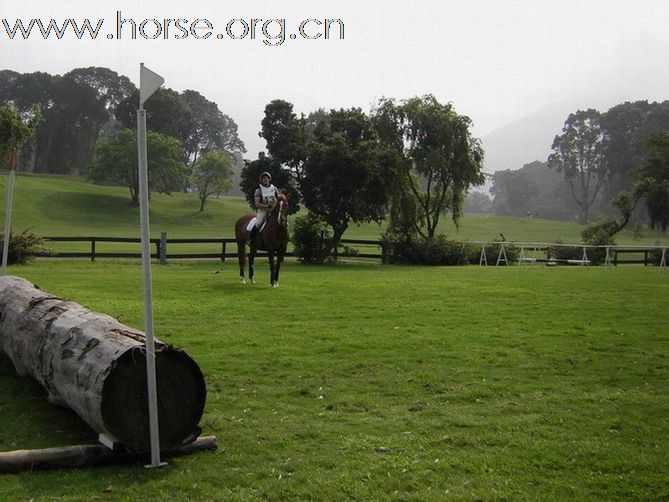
[264, 199]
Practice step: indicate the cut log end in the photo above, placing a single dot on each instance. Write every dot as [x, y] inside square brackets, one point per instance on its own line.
[181, 396]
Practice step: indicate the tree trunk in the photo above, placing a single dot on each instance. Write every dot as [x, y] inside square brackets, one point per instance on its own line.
[96, 366]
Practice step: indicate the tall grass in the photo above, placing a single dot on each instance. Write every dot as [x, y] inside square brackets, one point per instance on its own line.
[369, 382]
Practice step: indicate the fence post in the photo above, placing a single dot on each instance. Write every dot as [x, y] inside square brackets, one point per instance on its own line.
[162, 248]
[92, 249]
[223, 251]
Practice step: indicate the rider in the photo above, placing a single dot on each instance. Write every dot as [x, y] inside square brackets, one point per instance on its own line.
[264, 198]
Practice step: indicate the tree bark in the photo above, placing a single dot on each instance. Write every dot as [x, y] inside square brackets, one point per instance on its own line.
[96, 366]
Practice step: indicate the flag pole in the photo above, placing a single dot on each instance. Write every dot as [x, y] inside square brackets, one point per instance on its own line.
[149, 83]
[8, 215]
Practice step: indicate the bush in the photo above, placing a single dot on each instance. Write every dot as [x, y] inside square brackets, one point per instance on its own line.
[22, 247]
[310, 236]
[559, 252]
[425, 251]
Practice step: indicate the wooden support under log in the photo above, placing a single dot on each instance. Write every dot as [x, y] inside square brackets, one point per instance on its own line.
[87, 455]
[96, 366]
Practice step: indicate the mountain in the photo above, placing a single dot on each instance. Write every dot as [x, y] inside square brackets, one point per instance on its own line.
[525, 140]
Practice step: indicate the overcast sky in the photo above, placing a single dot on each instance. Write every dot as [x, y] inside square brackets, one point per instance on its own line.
[495, 60]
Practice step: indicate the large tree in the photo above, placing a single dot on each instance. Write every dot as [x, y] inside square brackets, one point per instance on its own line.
[211, 129]
[654, 180]
[116, 161]
[286, 136]
[440, 159]
[347, 173]
[212, 173]
[579, 154]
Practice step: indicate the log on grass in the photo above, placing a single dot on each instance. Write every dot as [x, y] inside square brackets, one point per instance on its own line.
[96, 366]
[88, 455]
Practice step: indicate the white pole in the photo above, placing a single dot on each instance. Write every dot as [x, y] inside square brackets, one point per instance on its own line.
[8, 220]
[148, 296]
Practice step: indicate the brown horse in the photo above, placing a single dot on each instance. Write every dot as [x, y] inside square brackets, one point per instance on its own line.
[273, 239]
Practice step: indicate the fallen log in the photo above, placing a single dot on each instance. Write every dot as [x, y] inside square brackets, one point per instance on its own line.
[88, 455]
[96, 366]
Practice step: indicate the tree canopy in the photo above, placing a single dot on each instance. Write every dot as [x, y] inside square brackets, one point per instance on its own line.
[439, 159]
[212, 173]
[654, 180]
[116, 161]
[578, 153]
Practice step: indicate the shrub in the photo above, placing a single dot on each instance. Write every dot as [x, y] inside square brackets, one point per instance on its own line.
[425, 251]
[310, 236]
[559, 252]
[22, 247]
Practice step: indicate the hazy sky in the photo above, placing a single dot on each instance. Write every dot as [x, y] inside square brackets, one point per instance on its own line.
[495, 60]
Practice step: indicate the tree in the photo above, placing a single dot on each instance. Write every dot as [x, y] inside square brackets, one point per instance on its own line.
[654, 180]
[211, 129]
[116, 161]
[534, 189]
[477, 202]
[346, 175]
[440, 160]
[166, 114]
[579, 155]
[212, 173]
[286, 136]
[14, 131]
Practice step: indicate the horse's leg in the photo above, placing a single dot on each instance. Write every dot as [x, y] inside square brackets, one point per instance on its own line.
[241, 257]
[270, 257]
[252, 255]
[279, 260]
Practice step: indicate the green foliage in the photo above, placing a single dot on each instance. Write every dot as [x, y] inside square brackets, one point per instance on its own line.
[212, 173]
[436, 250]
[439, 158]
[562, 252]
[14, 131]
[579, 154]
[654, 184]
[347, 176]
[311, 237]
[116, 162]
[22, 247]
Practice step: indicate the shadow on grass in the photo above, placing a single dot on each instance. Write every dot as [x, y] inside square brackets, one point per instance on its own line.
[29, 420]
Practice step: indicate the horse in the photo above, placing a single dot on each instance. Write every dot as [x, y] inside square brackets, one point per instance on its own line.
[273, 239]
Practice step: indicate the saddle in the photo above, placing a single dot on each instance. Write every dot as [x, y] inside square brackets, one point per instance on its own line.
[252, 223]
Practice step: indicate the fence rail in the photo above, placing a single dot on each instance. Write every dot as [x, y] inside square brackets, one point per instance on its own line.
[530, 252]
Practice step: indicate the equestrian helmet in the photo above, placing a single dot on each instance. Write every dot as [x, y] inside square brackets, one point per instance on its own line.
[265, 173]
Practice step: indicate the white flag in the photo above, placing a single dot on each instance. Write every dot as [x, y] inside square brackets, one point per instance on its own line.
[149, 82]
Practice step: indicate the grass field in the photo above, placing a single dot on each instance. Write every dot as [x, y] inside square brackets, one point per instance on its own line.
[66, 206]
[370, 382]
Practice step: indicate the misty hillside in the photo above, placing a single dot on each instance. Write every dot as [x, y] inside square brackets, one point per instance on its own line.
[524, 140]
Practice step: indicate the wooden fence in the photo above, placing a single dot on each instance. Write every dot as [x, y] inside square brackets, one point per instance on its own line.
[368, 249]
[163, 246]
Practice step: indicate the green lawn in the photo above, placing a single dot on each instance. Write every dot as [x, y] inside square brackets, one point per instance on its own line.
[66, 206]
[370, 382]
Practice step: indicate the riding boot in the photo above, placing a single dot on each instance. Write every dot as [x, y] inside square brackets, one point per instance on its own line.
[252, 235]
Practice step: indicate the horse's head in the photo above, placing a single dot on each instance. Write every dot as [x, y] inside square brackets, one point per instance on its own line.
[280, 210]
